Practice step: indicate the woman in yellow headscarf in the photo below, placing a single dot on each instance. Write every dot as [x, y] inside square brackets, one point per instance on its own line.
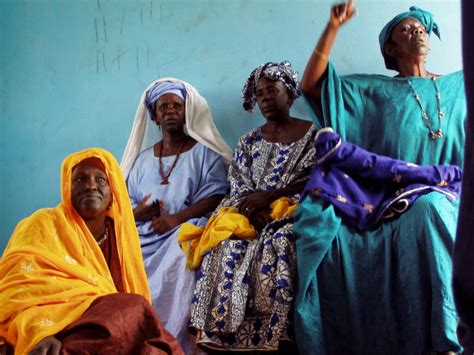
[72, 277]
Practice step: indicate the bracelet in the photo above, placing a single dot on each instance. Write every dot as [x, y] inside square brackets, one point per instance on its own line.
[321, 55]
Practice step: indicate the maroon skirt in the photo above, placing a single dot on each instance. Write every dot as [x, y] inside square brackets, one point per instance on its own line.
[119, 323]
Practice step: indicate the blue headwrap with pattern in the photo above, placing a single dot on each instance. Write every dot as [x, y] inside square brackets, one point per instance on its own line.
[422, 16]
[159, 89]
[273, 71]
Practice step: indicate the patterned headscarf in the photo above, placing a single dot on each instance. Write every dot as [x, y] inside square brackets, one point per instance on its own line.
[161, 88]
[422, 16]
[273, 71]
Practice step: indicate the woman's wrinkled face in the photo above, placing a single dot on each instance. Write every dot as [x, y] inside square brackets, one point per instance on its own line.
[170, 112]
[273, 98]
[408, 39]
[90, 190]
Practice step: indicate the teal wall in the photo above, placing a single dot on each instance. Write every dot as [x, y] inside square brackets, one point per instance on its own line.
[72, 71]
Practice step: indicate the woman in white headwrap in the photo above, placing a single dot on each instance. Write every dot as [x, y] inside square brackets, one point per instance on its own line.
[178, 178]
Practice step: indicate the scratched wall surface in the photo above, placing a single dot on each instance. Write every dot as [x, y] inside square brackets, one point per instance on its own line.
[72, 72]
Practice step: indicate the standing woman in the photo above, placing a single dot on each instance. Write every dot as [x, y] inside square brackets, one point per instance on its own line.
[386, 290]
[415, 116]
[180, 178]
[244, 292]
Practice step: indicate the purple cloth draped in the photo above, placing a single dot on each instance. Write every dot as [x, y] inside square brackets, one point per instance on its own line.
[367, 188]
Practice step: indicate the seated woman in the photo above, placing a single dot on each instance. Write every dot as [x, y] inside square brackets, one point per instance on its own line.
[244, 290]
[179, 178]
[72, 277]
[385, 289]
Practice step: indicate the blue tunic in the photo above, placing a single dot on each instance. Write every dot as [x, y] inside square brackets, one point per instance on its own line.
[199, 173]
[386, 290]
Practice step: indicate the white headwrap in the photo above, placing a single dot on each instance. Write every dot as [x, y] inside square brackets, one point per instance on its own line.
[199, 126]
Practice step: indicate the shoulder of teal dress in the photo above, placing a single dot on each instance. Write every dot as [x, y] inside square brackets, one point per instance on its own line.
[456, 77]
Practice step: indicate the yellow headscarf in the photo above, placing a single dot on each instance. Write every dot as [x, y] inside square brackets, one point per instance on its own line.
[52, 268]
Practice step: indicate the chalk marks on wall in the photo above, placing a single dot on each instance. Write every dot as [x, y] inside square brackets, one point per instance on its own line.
[105, 29]
[119, 53]
[138, 60]
[100, 62]
[121, 22]
[96, 31]
[119, 38]
[100, 29]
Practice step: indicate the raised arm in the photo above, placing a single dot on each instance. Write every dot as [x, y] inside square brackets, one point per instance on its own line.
[318, 61]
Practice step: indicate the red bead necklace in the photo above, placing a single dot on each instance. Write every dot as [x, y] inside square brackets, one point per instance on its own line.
[165, 177]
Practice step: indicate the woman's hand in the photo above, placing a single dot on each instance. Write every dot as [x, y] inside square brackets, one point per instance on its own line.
[259, 219]
[48, 346]
[255, 201]
[143, 212]
[256, 207]
[341, 13]
[165, 223]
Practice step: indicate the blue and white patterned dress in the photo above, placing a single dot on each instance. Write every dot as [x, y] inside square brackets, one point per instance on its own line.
[244, 289]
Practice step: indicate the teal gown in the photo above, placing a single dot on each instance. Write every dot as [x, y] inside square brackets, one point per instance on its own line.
[386, 290]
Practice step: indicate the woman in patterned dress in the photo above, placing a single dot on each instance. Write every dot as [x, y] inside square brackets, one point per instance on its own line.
[244, 290]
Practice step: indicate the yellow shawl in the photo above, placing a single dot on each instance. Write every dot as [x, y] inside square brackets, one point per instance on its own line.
[52, 268]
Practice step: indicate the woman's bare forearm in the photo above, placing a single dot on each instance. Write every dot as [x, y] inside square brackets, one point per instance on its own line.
[318, 61]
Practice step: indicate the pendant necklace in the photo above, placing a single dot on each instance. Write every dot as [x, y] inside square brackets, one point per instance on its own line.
[433, 134]
[165, 177]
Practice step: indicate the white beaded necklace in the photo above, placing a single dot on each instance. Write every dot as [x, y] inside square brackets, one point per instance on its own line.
[104, 236]
[439, 133]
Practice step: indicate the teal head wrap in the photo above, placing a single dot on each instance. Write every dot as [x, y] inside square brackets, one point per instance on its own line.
[424, 17]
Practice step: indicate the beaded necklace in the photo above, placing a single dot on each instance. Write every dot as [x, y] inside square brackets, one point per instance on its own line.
[105, 235]
[165, 177]
[433, 134]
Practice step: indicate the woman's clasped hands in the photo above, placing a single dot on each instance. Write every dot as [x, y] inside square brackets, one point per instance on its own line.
[256, 206]
[153, 212]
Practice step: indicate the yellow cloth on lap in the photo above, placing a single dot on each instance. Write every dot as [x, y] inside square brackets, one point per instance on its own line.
[196, 241]
[53, 269]
[282, 208]
[227, 222]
